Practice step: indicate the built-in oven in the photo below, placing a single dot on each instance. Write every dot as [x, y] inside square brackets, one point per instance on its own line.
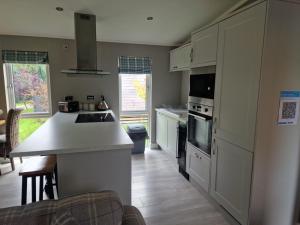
[200, 123]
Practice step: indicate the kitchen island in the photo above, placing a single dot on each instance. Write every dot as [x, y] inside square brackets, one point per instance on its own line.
[90, 156]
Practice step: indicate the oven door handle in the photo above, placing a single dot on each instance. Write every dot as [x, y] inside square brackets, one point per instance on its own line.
[200, 117]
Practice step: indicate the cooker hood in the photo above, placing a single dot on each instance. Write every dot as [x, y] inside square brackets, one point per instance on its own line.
[86, 46]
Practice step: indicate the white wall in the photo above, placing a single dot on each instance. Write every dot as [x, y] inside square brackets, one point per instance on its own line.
[165, 85]
[277, 147]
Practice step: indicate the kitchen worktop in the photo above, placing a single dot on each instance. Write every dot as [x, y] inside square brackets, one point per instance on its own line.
[179, 114]
[61, 135]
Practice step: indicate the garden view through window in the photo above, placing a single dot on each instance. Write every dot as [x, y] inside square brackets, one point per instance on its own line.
[27, 87]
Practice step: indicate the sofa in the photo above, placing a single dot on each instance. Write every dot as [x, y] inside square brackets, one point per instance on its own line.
[102, 208]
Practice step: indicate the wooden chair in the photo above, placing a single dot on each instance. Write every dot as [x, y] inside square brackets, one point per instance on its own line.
[10, 139]
[42, 167]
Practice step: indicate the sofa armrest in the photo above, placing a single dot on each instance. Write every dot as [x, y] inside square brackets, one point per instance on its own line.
[132, 216]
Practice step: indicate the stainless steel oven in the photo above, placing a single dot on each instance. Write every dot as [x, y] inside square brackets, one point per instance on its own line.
[200, 123]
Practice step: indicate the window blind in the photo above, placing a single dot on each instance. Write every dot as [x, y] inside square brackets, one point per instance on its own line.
[134, 65]
[26, 57]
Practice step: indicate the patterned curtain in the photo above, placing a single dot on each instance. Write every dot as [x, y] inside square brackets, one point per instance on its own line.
[26, 57]
[134, 65]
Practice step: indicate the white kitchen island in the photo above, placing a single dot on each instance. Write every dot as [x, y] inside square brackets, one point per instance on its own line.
[90, 156]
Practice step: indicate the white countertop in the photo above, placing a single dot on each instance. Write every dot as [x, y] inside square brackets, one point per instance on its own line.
[61, 135]
[179, 114]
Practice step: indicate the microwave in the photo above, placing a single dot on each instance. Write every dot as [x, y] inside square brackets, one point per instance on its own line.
[202, 85]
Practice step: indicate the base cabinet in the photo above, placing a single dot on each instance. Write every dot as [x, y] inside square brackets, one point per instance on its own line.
[166, 134]
[198, 167]
[161, 130]
[231, 178]
[172, 137]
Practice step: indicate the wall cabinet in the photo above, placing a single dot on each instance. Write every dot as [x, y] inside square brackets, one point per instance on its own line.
[240, 46]
[180, 58]
[204, 47]
[231, 178]
[198, 167]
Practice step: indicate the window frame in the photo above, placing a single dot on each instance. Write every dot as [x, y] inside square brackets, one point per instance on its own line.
[147, 102]
[10, 92]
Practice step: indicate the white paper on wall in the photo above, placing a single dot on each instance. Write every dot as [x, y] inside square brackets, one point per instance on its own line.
[289, 107]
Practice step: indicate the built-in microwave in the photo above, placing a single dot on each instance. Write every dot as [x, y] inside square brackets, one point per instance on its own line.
[202, 85]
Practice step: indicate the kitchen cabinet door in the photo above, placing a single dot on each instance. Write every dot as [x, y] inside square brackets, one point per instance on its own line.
[198, 167]
[240, 48]
[231, 178]
[161, 130]
[180, 58]
[172, 126]
[204, 47]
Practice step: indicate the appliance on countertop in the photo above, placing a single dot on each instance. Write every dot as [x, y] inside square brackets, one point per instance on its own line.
[86, 46]
[181, 149]
[94, 118]
[200, 111]
[102, 106]
[68, 105]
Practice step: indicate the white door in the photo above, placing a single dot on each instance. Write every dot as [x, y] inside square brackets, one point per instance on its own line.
[172, 126]
[231, 178]
[237, 78]
[180, 58]
[204, 47]
[198, 167]
[161, 130]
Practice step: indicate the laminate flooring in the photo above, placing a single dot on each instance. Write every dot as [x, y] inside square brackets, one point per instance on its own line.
[163, 195]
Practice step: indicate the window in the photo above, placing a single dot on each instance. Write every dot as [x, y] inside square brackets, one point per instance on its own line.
[134, 93]
[27, 83]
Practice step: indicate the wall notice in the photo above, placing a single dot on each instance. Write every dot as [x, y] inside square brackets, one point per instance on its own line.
[289, 107]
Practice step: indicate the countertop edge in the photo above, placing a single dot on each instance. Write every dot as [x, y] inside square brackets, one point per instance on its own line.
[171, 114]
[68, 151]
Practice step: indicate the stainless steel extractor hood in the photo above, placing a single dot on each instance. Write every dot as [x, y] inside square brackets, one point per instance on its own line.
[86, 46]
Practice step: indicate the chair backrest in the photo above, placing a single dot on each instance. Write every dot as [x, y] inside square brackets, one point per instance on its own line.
[12, 129]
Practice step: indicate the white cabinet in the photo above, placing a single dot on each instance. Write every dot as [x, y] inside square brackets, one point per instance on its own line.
[231, 178]
[240, 46]
[161, 130]
[204, 47]
[172, 126]
[198, 167]
[180, 58]
[166, 133]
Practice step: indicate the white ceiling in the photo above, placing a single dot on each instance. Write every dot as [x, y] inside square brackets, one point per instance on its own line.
[117, 20]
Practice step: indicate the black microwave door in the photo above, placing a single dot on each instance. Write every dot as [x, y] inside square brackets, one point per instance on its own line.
[202, 85]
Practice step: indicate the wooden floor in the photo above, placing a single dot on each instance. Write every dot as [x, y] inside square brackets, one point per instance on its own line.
[163, 196]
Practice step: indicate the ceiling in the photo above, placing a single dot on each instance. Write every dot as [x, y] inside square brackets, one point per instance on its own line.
[117, 20]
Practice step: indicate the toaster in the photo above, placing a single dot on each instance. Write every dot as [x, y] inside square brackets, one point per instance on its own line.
[68, 106]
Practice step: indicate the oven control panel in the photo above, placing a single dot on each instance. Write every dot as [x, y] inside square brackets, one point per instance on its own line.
[200, 108]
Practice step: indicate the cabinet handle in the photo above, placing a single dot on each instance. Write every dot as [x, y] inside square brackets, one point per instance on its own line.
[174, 67]
[192, 55]
[215, 124]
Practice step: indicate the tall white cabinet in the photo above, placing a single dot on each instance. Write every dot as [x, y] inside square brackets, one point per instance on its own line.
[240, 47]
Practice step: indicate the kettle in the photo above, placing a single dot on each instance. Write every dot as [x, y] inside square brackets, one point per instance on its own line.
[102, 106]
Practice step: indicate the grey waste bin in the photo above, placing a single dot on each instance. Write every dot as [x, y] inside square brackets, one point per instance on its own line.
[138, 134]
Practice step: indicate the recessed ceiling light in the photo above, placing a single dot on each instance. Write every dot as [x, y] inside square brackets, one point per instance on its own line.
[150, 18]
[59, 9]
